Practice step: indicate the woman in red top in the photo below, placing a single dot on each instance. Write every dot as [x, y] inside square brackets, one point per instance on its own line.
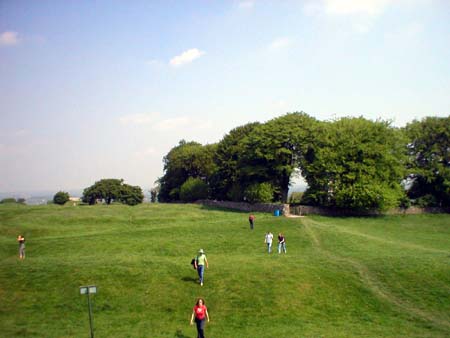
[200, 312]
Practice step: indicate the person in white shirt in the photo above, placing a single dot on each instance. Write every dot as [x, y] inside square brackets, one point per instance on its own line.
[268, 240]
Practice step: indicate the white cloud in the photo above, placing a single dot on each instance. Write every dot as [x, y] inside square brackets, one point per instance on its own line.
[9, 39]
[186, 57]
[139, 119]
[246, 4]
[280, 43]
[348, 7]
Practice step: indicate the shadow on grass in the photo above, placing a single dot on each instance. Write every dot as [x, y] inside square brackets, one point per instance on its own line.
[180, 334]
[190, 279]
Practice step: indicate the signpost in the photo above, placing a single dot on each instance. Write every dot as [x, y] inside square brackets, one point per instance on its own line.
[87, 290]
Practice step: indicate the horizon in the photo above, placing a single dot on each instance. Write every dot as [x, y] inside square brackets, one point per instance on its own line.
[107, 89]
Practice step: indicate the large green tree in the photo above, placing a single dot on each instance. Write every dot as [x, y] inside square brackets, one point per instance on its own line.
[358, 164]
[112, 189]
[275, 149]
[225, 183]
[429, 155]
[187, 159]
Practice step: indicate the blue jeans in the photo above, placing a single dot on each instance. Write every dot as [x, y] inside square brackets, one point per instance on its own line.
[281, 245]
[200, 327]
[200, 270]
[269, 247]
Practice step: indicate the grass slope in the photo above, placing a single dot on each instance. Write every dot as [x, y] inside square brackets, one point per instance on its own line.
[341, 277]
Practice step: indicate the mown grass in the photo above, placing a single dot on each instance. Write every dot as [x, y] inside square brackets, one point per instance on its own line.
[342, 277]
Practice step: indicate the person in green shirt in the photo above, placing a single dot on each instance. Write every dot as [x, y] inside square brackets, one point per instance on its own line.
[200, 263]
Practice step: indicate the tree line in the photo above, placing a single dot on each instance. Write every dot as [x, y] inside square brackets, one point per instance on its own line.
[351, 163]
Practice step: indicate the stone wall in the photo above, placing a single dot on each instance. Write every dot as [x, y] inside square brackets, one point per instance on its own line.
[310, 210]
[302, 210]
[256, 207]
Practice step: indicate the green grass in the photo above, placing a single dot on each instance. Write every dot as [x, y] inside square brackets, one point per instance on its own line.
[342, 277]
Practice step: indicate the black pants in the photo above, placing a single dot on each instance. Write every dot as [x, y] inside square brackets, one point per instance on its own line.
[251, 223]
[200, 327]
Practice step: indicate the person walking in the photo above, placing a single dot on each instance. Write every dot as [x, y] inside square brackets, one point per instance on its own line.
[200, 262]
[199, 314]
[251, 220]
[281, 243]
[21, 241]
[268, 240]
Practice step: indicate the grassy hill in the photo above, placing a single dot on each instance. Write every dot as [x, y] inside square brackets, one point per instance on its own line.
[341, 277]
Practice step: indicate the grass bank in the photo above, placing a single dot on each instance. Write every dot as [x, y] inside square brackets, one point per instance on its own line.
[342, 277]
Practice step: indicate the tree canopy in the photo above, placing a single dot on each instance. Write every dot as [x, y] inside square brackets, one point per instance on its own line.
[112, 189]
[351, 163]
[61, 197]
[429, 160]
[186, 160]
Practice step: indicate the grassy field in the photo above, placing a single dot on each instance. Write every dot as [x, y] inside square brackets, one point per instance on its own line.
[341, 277]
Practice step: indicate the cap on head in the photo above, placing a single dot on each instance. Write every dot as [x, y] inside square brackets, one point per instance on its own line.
[201, 251]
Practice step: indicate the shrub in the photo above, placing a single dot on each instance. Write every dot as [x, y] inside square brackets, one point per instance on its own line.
[9, 200]
[295, 197]
[61, 197]
[426, 201]
[193, 189]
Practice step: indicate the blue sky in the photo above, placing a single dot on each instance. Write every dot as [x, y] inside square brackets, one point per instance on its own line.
[102, 89]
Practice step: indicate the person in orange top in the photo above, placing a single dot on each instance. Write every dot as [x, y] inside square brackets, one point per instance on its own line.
[200, 313]
[251, 220]
[21, 241]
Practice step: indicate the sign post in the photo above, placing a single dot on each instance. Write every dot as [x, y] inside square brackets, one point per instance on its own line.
[86, 290]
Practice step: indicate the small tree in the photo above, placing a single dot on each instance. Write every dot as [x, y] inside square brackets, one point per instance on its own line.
[154, 194]
[112, 190]
[131, 195]
[61, 197]
[193, 189]
[8, 200]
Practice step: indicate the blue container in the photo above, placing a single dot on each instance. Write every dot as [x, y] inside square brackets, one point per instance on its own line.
[276, 212]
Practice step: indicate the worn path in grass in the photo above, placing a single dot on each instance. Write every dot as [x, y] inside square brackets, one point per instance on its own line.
[369, 278]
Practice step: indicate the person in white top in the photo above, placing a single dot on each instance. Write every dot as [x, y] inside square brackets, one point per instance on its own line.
[268, 240]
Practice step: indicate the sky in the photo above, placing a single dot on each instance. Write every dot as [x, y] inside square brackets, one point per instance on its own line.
[104, 89]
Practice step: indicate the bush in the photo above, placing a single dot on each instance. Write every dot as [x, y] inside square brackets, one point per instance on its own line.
[259, 193]
[193, 189]
[8, 200]
[61, 197]
[426, 201]
[295, 197]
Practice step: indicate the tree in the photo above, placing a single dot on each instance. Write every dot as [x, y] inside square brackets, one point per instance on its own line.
[429, 160]
[154, 194]
[224, 181]
[8, 200]
[130, 195]
[187, 159]
[113, 190]
[358, 164]
[275, 149]
[193, 189]
[61, 197]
